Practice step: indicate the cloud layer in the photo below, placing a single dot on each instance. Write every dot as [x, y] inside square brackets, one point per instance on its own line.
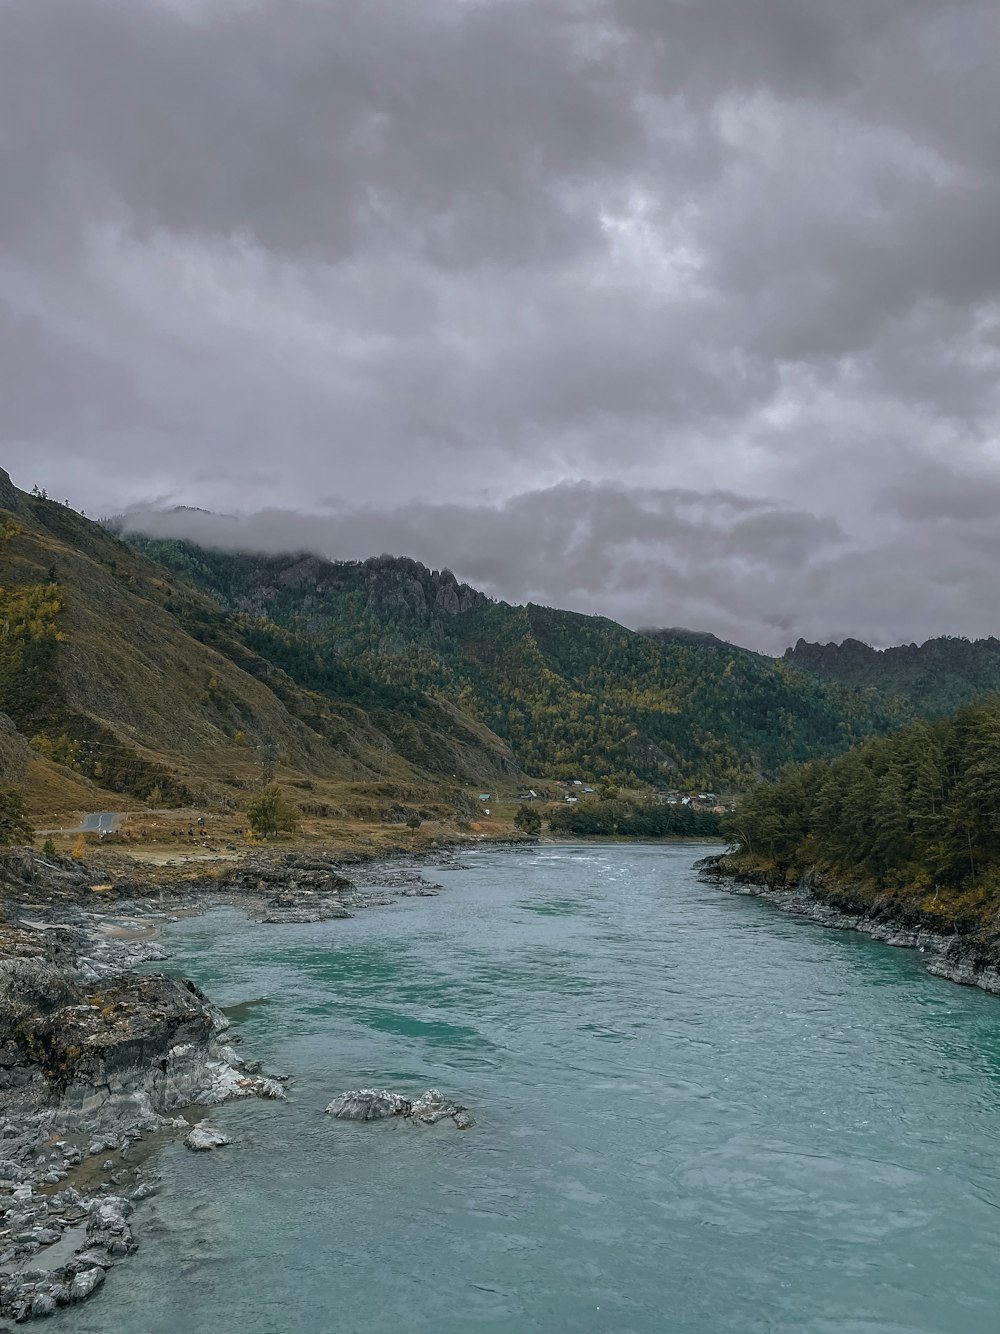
[712, 283]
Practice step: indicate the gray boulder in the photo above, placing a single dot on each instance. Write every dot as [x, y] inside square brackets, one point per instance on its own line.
[85, 1283]
[108, 1226]
[379, 1104]
[434, 1107]
[203, 1138]
[368, 1105]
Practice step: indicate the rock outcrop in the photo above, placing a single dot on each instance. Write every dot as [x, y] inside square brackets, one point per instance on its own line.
[116, 1055]
[90, 1056]
[368, 1105]
[301, 887]
[380, 1104]
[295, 887]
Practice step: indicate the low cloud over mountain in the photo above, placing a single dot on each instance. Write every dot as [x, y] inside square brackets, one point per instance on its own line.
[756, 572]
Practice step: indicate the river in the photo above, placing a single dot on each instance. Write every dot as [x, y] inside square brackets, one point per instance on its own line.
[695, 1115]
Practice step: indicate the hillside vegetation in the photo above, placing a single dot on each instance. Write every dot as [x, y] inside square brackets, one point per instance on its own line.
[936, 677]
[631, 819]
[175, 674]
[917, 812]
[572, 695]
[126, 677]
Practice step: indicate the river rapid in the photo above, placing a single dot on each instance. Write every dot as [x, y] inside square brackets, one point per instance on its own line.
[695, 1115]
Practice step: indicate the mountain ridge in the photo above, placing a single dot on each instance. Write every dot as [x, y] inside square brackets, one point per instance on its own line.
[573, 695]
[938, 676]
[147, 664]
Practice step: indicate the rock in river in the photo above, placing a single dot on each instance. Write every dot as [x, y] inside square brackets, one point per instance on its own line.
[203, 1137]
[368, 1105]
[378, 1104]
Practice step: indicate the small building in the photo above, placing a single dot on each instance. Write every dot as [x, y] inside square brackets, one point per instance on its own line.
[484, 796]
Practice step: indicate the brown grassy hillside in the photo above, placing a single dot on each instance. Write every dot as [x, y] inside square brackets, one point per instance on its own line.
[121, 672]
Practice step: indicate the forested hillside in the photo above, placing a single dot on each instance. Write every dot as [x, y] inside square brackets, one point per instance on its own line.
[131, 678]
[918, 810]
[932, 678]
[156, 666]
[574, 696]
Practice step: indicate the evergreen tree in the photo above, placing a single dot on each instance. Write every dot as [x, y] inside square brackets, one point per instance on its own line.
[919, 807]
[270, 813]
[528, 820]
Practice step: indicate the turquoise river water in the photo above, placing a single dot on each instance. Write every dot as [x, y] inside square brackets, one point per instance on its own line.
[695, 1114]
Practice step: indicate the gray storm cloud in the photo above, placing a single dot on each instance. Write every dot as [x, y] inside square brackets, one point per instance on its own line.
[679, 312]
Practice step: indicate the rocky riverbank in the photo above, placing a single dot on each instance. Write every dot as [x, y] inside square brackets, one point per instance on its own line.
[99, 1062]
[964, 953]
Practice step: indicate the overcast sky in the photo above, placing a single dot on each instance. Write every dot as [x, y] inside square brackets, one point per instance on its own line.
[683, 311]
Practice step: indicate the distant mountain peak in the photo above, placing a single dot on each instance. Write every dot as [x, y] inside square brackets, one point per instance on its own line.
[809, 655]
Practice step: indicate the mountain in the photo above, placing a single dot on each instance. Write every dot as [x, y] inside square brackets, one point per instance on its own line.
[573, 696]
[167, 671]
[932, 678]
[125, 676]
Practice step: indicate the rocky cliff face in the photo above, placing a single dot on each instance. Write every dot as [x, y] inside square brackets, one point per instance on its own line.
[112, 1056]
[394, 587]
[831, 659]
[9, 494]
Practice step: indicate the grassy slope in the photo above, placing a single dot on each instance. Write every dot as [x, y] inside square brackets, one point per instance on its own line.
[131, 674]
[54, 795]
